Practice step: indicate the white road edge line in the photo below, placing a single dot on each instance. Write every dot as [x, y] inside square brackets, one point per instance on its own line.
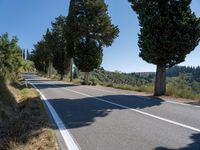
[135, 110]
[67, 136]
[138, 111]
[167, 101]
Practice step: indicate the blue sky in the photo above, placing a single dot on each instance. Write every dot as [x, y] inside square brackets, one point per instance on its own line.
[29, 19]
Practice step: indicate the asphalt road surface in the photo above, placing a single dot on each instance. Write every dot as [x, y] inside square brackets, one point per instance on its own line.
[101, 118]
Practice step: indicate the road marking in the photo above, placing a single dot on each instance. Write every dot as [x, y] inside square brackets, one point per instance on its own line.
[135, 110]
[141, 112]
[67, 136]
[167, 101]
[138, 111]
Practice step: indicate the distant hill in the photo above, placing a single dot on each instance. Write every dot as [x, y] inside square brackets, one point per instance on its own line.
[194, 72]
[123, 78]
[141, 78]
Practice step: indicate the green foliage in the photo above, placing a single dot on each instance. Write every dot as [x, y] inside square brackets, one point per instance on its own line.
[95, 31]
[194, 71]
[183, 86]
[61, 59]
[28, 66]
[88, 55]
[10, 57]
[134, 79]
[51, 50]
[39, 56]
[169, 30]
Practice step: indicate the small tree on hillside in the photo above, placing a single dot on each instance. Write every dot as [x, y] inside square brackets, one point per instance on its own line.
[95, 31]
[169, 31]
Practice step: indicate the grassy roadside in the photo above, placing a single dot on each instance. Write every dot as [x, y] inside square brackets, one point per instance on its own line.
[24, 123]
[175, 90]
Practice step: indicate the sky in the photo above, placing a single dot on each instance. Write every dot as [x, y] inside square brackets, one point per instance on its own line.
[29, 20]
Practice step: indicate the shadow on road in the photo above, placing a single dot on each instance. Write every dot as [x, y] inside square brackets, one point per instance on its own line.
[195, 145]
[77, 113]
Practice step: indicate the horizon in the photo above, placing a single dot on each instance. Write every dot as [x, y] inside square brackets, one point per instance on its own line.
[30, 21]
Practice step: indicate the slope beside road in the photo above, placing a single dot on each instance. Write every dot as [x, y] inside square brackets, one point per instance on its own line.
[91, 118]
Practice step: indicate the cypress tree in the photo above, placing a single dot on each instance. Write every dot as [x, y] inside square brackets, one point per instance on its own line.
[61, 60]
[169, 31]
[94, 31]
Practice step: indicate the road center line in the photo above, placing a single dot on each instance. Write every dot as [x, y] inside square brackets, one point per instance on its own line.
[132, 109]
[166, 101]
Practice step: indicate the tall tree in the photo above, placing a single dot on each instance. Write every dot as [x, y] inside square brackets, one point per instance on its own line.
[39, 56]
[94, 31]
[169, 31]
[28, 55]
[49, 47]
[61, 59]
[71, 32]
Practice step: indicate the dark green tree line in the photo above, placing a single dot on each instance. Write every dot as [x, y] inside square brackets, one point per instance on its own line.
[51, 50]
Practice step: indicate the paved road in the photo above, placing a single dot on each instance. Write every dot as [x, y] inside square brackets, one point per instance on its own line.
[100, 118]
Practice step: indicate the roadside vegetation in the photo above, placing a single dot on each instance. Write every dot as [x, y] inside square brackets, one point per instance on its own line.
[180, 83]
[183, 85]
[24, 123]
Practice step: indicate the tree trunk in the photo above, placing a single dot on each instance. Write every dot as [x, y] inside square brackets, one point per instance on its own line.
[61, 76]
[86, 78]
[50, 69]
[71, 70]
[160, 82]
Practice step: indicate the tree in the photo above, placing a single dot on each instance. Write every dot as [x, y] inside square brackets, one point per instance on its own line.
[94, 31]
[51, 50]
[169, 31]
[61, 59]
[28, 66]
[49, 46]
[40, 56]
[71, 33]
[28, 56]
[10, 57]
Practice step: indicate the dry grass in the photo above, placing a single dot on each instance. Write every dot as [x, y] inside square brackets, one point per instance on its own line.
[27, 125]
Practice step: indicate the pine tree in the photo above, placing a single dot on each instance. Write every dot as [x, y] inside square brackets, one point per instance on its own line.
[169, 31]
[94, 31]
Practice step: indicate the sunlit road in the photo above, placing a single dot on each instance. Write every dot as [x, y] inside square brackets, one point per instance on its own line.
[101, 118]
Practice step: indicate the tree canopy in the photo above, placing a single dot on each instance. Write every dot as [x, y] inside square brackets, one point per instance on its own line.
[95, 31]
[11, 61]
[169, 31]
[51, 50]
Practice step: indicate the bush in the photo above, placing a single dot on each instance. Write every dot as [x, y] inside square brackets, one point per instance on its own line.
[181, 87]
